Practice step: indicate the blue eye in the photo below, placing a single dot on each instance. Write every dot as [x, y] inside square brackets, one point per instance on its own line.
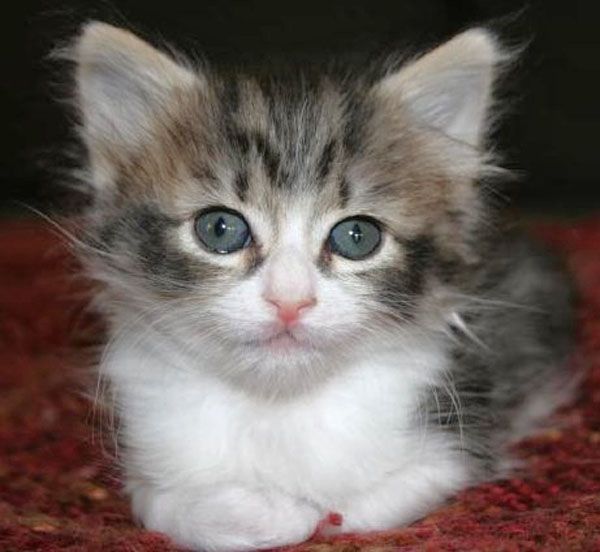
[222, 231]
[355, 238]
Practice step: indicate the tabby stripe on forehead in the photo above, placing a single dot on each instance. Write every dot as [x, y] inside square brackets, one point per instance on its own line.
[243, 142]
[230, 99]
[269, 156]
[241, 185]
[326, 159]
[344, 192]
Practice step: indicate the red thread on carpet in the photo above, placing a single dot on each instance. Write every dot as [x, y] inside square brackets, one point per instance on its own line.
[58, 491]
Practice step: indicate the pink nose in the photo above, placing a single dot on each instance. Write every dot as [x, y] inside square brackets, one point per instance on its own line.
[289, 312]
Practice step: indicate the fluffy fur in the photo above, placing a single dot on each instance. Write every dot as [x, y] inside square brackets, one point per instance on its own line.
[404, 381]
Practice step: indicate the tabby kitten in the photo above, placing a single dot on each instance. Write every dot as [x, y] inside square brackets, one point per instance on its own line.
[310, 311]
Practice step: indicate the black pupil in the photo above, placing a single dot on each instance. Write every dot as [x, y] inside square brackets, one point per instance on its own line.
[220, 227]
[356, 234]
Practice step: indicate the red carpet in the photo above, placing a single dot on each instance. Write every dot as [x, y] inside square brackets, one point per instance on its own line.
[58, 491]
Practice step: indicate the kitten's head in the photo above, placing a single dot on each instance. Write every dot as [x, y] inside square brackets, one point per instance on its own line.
[269, 229]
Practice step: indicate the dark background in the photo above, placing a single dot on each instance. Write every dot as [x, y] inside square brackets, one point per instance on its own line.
[550, 132]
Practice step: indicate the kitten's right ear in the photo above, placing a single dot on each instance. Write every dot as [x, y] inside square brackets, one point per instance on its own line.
[124, 86]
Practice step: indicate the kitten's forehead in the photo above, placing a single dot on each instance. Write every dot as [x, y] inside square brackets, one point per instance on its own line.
[273, 144]
[284, 139]
[288, 142]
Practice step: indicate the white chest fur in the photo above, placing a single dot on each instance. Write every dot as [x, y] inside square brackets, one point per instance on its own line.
[181, 427]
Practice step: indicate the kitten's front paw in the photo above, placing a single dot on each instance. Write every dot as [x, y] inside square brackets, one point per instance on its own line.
[226, 518]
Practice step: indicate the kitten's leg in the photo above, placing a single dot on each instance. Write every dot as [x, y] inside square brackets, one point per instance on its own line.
[404, 496]
[225, 517]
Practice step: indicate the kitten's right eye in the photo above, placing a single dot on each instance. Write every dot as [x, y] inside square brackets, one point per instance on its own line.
[222, 231]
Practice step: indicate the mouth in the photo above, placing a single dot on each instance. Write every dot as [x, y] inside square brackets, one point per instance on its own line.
[283, 341]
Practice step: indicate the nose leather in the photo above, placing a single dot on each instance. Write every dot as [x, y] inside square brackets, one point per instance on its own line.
[289, 285]
[289, 313]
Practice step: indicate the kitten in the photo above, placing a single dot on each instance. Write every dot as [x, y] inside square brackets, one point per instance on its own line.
[311, 312]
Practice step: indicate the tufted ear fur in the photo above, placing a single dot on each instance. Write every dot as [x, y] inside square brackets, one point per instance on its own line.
[449, 88]
[124, 86]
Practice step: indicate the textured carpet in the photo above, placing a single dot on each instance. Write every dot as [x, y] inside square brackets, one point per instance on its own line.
[58, 490]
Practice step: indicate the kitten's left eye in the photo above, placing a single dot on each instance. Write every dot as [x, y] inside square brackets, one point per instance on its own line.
[355, 238]
[222, 231]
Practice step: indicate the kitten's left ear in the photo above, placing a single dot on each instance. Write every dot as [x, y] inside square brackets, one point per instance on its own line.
[449, 88]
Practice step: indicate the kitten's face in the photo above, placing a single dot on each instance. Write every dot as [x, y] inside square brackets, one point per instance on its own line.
[273, 230]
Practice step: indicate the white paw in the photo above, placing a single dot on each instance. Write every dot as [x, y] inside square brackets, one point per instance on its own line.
[405, 496]
[226, 518]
